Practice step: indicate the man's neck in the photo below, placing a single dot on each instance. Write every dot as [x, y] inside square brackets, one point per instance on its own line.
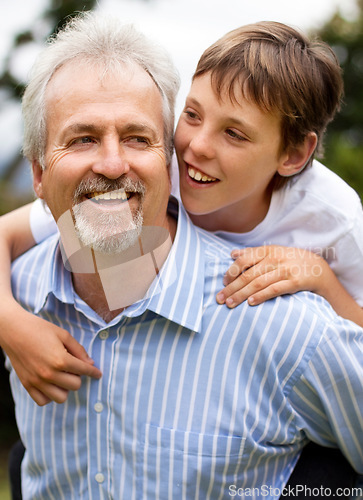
[122, 279]
[89, 287]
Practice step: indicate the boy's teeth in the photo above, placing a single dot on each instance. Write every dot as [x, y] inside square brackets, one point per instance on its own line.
[196, 175]
[112, 195]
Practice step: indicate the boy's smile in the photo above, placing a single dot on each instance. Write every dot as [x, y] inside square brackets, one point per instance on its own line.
[198, 176]
[228, 152]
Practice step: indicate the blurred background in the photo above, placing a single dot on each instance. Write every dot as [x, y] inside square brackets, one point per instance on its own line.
[185, 28]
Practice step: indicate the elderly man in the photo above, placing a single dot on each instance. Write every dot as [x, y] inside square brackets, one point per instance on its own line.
[195, 400]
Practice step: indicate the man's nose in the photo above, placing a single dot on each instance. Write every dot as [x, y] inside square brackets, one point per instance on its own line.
[112, 160]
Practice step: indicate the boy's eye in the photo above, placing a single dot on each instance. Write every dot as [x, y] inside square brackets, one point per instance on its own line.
[190, 114]
[231, 133]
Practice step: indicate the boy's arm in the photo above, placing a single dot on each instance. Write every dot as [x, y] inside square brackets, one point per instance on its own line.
[261, 273]
[46, 358]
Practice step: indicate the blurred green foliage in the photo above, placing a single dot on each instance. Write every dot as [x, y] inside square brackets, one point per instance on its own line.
[53, 17]
[344, 142]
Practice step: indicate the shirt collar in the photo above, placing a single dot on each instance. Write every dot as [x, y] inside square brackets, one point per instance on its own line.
[53, 278]
[176, 294]
[180, 295]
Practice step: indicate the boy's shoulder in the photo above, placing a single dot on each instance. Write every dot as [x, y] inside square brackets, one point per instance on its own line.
[323, 186]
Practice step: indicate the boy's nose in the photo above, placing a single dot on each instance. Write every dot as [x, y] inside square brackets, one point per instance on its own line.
[202, 144]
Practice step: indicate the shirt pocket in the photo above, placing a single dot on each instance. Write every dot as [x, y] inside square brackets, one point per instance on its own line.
[175, 464]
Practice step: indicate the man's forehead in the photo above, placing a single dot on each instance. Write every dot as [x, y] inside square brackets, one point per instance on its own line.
[79, 75]
[129, 92]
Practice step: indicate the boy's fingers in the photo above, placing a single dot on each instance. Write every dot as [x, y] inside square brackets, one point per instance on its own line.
[48, 393]
[76, 349]
[58, 389]
[61, 383]
[250, 252]
[38, 396]
[270, 292]
[78, 362]
[250, 283]
[239, 266]
[239, 285]
[78, 367]
[249, 276]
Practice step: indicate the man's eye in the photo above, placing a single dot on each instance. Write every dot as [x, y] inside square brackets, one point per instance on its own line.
[83, 140]
[138, 140]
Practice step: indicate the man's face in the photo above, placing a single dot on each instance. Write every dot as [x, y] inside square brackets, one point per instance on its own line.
[105, 155]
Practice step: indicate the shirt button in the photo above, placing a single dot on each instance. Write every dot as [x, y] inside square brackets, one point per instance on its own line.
[104, 335]
[98, 407]
[99, 477]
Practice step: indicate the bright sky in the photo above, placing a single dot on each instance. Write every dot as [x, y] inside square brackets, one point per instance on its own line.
[187, 27]
[184, 27]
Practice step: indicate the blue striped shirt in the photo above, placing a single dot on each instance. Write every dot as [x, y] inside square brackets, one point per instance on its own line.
[196, 401]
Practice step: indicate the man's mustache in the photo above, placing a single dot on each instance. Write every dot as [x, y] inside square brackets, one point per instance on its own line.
[102, 184]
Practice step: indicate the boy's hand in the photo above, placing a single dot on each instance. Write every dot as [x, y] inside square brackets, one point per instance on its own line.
[261, 273]
[47, 359]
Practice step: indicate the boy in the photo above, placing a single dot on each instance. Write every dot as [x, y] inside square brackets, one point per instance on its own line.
[260, 101]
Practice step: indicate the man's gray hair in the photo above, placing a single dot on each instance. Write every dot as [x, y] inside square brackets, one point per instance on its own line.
[105, 41]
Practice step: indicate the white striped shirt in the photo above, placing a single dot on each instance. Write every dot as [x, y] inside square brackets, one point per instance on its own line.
[196, 401]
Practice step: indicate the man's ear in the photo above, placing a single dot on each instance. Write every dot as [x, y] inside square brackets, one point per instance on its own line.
[298, 156]
[37, 178]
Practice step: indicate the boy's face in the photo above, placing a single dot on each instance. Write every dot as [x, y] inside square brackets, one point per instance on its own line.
[228, 153]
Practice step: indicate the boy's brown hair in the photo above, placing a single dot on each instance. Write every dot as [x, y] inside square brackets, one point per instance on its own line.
[282, 71]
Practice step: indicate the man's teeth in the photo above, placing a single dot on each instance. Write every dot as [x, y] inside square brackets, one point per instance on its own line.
[198, 176]
[111, 195]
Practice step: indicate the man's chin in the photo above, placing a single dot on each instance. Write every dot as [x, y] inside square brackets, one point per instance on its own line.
[114, 244]
[109, 234]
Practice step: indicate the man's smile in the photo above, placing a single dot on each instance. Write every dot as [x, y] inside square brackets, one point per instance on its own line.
[118, 195]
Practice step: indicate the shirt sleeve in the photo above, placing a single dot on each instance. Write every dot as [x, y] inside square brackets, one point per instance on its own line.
[41, 221]
[348, 262]
[328, 398]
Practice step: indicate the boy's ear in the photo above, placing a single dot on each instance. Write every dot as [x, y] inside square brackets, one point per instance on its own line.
[37, 178]
[298, 156]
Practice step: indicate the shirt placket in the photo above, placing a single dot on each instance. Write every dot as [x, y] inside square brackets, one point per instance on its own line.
[99, 413]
